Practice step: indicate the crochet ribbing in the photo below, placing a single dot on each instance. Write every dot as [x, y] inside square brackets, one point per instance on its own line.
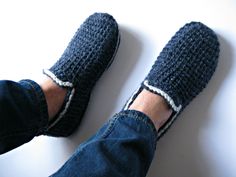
[183, 68]
[89, 53]
[186, 63]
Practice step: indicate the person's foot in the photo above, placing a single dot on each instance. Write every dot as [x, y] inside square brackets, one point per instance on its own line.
[154, 106]
[54, 95]
[180, 73]
[72, 77]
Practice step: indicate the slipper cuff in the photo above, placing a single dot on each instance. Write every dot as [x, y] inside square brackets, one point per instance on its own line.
[176, 109]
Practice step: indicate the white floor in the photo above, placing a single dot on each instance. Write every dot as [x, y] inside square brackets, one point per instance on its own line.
[202, 143]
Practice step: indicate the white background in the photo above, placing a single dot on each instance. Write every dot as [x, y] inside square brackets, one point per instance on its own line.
[202, 143]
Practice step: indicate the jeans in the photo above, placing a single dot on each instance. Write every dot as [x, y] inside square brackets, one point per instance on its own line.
[123, 147]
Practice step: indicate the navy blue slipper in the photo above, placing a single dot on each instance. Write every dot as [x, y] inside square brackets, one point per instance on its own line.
[88, 55]
[183, 69]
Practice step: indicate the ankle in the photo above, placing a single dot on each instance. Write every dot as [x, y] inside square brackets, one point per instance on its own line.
[154, 106]
[54, 95]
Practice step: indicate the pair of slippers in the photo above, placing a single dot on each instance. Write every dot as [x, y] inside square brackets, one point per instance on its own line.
[181, 71]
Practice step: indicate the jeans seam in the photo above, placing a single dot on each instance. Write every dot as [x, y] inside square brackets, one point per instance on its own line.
[38, 102]
[151, 127]
[38, 97]
[112, 123]
[110, 127]
[140, 119]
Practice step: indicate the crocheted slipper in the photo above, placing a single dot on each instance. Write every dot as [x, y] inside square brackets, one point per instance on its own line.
[88, 55]
[183, 69]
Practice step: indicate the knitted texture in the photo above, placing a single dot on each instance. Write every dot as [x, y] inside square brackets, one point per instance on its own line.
[186, 63]
[89, 53]
[183, 68]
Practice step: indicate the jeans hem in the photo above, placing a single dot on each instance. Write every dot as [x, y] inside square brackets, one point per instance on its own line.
[137, 115]
[41, 102]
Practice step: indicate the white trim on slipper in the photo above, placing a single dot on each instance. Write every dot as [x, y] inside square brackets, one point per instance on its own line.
[130, 100]
[167, 125]
[58, 81]
[165, 95]
[171, 103]
[64, 111]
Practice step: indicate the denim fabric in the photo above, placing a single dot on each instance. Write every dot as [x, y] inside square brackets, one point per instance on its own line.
[23, 113]
[123, 147]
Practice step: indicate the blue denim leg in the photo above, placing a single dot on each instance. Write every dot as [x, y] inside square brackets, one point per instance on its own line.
[123, 147]
[23, 113]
